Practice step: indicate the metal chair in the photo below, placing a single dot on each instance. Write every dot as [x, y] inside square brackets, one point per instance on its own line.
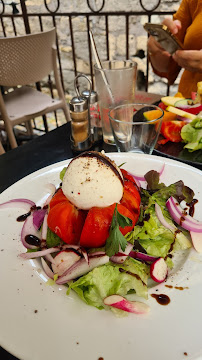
[25, 60]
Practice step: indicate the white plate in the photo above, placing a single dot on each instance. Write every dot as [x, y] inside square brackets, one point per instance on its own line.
[40, 322]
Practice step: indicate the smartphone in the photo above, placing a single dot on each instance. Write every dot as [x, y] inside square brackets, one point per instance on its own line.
[165, 38]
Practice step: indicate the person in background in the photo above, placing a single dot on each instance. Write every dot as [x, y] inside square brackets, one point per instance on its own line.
[187, 27]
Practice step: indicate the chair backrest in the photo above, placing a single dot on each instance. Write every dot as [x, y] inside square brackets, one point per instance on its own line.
[26, 59]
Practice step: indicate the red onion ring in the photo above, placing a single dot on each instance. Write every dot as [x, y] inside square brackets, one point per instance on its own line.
[36, 254]
[44, 228]
[181, 219]
[18, 203]
[139, 178]
[52, 189]
[161, 218]
[46, 268]
[180, 211]
[81, 267]
[142, 256]
[49, 258]
[38, 217]
[29, 229]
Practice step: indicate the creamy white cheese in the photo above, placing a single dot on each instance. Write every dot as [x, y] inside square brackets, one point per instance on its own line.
[89, 182]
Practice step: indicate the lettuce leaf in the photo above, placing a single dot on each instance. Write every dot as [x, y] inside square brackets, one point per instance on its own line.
[62, 173]
[108, 280]
[155, 238]
[178, 190]
[192, 135]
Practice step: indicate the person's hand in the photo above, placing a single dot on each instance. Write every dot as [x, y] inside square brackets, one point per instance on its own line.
[190, 60]
[173, 25]
[159, 57]
[154, 47]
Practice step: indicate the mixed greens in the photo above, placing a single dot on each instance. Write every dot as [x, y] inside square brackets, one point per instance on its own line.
[192, 135]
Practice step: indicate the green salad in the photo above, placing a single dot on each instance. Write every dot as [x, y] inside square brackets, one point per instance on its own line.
[192, 134]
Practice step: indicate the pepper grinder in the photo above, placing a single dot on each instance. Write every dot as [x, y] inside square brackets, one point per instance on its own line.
[80, 120]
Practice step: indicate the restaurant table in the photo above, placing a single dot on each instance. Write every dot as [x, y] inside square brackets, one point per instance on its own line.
[42, 151]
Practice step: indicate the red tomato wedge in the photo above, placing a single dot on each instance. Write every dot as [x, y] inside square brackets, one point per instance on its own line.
[97, 225]
[131, 203]
[127, 176]
[57, 198]
[65, 220]
[171, 130]
[126, 212]
[132, 188]
[130, 184]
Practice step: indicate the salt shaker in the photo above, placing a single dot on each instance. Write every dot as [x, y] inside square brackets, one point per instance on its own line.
[96, 127]
[80, 122]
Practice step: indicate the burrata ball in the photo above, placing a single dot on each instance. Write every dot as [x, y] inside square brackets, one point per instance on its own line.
[92, 179]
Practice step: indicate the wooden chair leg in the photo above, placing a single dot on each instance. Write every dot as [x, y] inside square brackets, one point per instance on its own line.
[2, 151]
[11, 136]
[29, 128]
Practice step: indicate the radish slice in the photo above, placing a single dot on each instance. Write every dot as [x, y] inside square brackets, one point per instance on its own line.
[64, 260]
[85, 254]
[161, 218]
[159, 270]
[197, 241]
[186, 221]
[96, 253]
[81, 267]
[142, 256]
[118, 258]
[18, 203]
[47, 270]
[119, 302]
[121, 256]
[32, 255]
[29, 229]
[67, 246]
[127, 250]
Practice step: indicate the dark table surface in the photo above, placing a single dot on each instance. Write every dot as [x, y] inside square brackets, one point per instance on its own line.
[40, 152]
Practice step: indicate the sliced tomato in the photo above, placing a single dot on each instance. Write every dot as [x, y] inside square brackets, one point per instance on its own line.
[127, 176]
[97, 225]
[126, 212]
[65, 220]
[171, 130]
[130, 201]
[57, 198]
[163, 141]
[133, 189]
[96, 228]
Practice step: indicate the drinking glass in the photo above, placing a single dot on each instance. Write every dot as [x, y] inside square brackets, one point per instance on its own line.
[136, 127]
[115, 85]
